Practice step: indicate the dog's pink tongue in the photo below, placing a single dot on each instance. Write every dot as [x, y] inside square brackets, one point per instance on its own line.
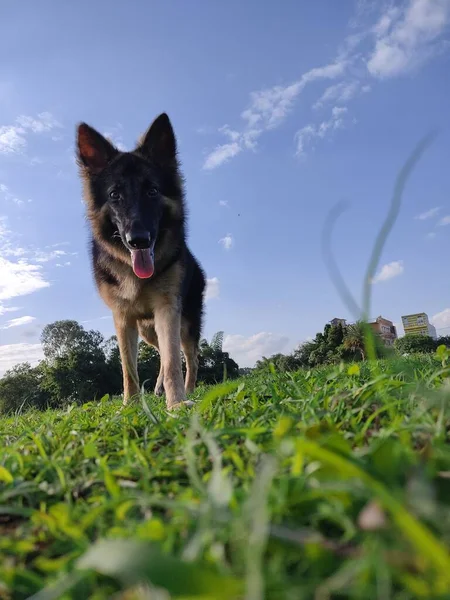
[142, 261]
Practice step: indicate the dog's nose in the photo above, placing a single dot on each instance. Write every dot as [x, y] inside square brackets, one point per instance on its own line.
[138, 238]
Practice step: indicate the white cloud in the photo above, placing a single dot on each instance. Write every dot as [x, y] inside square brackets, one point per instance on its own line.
[223, 203]
[247, 350]
[429, 214]
[114, 135]
[401, 38]
[303, 136]
[267, 109]
[339, 92]
[227, 241]
[10, 197]
[212, 288]
[431, 235]
[18, 322]
[45, 121]
[445, 220]
[21, 270]
[58, 244]
[13, 137]
[6, 309]
[407, 38]
[13, 354]
[441, 320]
[383, 25]
[42, 256]
[389, 271]
[221, 154]
[19, 279]
[309, 132]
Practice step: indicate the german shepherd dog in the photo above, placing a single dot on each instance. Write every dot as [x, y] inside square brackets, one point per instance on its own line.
[142, 266]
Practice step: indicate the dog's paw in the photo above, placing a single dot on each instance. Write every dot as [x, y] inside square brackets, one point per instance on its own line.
[186, 403]
[159, 391]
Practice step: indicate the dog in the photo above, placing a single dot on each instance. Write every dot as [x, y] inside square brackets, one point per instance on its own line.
[142, 266]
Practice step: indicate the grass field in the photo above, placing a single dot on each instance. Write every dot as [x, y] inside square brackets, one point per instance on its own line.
[333, 483]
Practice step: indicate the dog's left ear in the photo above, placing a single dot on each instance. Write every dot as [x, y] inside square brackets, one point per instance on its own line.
[159, 143]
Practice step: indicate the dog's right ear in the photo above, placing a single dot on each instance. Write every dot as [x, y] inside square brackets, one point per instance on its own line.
[94, 151]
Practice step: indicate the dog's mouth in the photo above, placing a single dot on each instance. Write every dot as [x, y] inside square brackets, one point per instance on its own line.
[143, 262]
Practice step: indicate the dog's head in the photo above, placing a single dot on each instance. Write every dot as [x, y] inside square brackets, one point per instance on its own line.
[128, 192]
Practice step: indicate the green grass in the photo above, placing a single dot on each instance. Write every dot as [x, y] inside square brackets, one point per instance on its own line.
[333, 483]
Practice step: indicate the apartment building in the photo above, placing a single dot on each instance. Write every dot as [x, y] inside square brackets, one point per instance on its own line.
[385, 329]
[335, 322]
[418, 324]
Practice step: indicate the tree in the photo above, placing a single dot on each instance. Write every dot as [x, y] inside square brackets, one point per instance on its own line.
[281, 362]
[20, 387]
[61, 337]
[79, 375]
[354, 338]
[77, 368]
[303, 353]
[214, 363]
[411, 344]
[217, 341]
[148, 365]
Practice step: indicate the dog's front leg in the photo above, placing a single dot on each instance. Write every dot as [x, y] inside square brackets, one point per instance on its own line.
[127, 336]
[167, 326]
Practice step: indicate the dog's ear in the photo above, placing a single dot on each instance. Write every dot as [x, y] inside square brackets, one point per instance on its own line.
[94, 151]
[159, 143]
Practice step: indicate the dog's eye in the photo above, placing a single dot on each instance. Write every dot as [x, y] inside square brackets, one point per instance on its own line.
[114, 195]
[152, 191]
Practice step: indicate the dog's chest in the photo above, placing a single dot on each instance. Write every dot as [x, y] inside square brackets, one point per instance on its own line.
[138, 296]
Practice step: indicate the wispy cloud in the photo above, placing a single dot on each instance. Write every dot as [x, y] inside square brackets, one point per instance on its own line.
[8, 196]
[13, 138]
[222, 154]
[6, 309]
[227, 241]
[431, 235]
[399, 38]
[308, 133]
[408, 36]
[340, 93]
[43, 256]
[389, 271]
[115, 135]
[429, 214]
[445, 221]
[212, 288]
[19, 322]
[267, 110]
[45, 121]
[223, 203]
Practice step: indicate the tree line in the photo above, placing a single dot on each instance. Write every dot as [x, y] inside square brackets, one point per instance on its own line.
[80, 365]
[347, 343]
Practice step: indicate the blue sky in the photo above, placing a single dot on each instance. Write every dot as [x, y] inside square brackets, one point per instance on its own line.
[279, 112]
